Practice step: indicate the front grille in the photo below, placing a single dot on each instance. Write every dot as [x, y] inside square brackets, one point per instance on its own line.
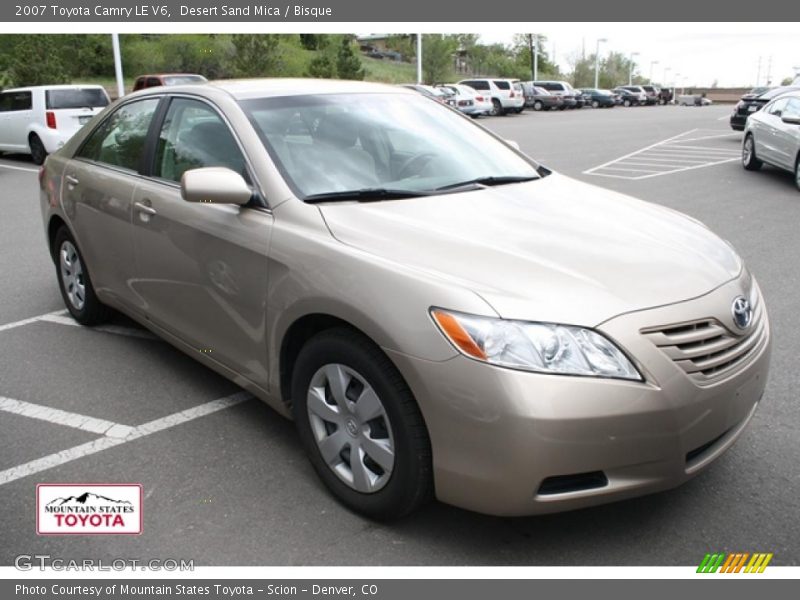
[707, 350]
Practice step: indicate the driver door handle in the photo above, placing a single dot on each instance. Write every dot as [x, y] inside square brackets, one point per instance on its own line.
[72, 180]
[143, 208]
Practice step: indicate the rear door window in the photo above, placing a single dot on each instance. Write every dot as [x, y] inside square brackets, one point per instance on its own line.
[76, 98]
[120, 140]
[502, 85]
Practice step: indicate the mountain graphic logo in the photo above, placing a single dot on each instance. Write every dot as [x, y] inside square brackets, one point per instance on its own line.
[86, 499]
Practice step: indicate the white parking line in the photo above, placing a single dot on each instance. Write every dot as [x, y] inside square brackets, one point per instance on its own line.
[117, 329]
[107, 441]
[15, 168]
[676, 154]
[62, 417]
[8, 326]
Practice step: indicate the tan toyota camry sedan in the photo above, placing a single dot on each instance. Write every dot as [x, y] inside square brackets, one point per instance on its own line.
[439, 314]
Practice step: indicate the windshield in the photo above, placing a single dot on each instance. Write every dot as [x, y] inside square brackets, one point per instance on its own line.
[335, 143]
[76, 98]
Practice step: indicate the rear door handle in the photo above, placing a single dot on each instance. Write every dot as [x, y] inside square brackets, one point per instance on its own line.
[143, 208]
[72, 180]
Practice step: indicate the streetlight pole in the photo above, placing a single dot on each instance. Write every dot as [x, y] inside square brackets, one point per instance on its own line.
[652, 62]
[675, 88]
[536, 57]
[419, 58]
[630, 70]
[530, 49]
[117, 65]
[597, 62]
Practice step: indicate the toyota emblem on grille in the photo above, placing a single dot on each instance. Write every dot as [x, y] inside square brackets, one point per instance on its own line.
[742, 312]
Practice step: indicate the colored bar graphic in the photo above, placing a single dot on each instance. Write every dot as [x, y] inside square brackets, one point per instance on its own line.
[734, 562]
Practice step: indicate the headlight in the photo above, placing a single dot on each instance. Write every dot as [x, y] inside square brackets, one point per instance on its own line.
[540, 347]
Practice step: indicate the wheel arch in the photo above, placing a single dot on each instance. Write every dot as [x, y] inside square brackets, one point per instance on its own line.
[295, 337]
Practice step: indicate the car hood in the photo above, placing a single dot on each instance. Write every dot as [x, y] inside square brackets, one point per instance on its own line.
[553, 249]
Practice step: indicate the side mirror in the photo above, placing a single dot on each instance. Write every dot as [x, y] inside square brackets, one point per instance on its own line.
[215, 185]
[513, 144]
[791, 119]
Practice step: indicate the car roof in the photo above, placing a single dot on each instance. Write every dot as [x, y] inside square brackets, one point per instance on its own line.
[245, 89]
[775, 92]
[65, 86]
[259, 88]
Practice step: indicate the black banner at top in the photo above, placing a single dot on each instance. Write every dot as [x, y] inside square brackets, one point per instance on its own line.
[388, 11]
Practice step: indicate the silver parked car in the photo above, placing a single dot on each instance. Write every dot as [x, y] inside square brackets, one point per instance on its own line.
[772, 135]
[438, 313]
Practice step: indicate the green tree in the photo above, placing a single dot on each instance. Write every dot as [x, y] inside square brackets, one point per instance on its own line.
[348, 64]
[33, 60]
[787, 81]
[437, 57]
[256, 55]
[322, 66]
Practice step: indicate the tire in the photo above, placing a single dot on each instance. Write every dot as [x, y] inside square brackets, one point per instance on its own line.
[595, 104]
[749, 160]
[538, 105]
[74, 282]
[402, 481]
[797, 172]
[626, 103]
[38, 151]
[497, 108]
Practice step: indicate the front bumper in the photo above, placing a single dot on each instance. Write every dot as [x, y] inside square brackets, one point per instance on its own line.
[500, 436]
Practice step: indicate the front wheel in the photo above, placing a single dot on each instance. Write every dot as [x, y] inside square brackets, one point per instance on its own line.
[538, 105]
[361, 426]
[595, 104]
[74, 282]
[749, 159]
[626, 103]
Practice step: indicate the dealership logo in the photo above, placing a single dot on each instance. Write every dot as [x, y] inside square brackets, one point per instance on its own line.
[742, 312]
[736, 562]
[85, 509]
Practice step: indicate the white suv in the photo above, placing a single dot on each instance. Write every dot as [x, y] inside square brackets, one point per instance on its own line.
[506, 94]
[39, 120]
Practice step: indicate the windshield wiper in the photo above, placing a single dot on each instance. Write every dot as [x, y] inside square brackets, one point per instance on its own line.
[364, 195]
[489, 180]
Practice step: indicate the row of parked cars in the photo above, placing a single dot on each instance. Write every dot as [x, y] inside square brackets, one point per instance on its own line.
[495, 97]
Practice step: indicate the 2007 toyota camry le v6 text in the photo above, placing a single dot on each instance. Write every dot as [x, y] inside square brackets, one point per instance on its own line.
[439, 314]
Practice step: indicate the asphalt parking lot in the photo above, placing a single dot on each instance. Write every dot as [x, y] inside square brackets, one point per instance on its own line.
[225, 479]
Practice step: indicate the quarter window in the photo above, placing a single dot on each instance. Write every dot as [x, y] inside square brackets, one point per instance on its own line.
[792, 108]
[120, 140]
[15, 101]
[194, 136]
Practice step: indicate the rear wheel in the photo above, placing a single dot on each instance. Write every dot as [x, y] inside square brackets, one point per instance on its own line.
[797, 172]
[497, 108]
[75, 283]
[626, 103]
[38, 151]
[595, 104]
[360, 425]
[749, 159]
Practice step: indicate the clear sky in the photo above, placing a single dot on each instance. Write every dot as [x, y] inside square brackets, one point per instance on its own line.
[701, 53]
